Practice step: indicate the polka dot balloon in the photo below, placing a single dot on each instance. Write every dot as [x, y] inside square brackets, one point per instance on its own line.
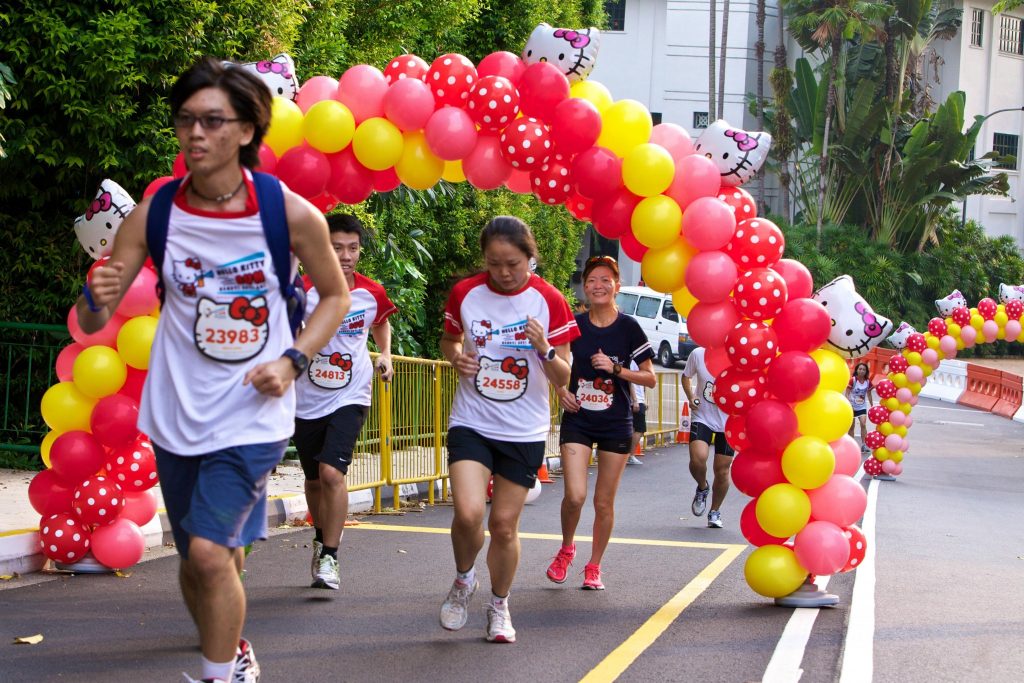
[917, 342]
[551, 184]
[740, 201]
[450, 78]
[961, 315]
[1014, 309]
[493, 103]
[937, 326]
[757, 242]
[872, 467]
[987, 307]
[581, 208]
[760, 293]
[133, 467]
[97, 500]
[858, 547]
[751, 345]
[526, 144]
[63, 538]
[736, 391]
[406, 66]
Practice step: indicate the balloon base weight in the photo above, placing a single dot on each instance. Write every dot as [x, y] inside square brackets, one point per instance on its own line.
[885, 477]
[808, 595]
[86, 565]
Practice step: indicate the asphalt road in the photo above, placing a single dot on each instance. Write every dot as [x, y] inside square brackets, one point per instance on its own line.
[948, 605]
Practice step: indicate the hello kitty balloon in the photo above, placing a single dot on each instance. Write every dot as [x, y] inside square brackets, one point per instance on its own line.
[277, 73]
[899, 338]
[737, 153]
[856, 328]
[952, 301]
[573, 51]
[96, 228]
[1008, 293]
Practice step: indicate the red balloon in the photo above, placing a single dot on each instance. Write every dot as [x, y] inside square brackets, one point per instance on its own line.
[736, 430]
[575, 125]
[772, 425]
[878, 414]
[581, 208]
[760, 293]
[350, 182]
[751, 345]
[156, 185]
[268, 160]
[66, 361]
[133, 384]
[802, 325]
[737, 390]
[757, 242]
[386, 180]
[325, 202]
[740, 201]
[937, 326]
[98, 500]
[542, 87]
[752, 531]
[139, 506]
[798, 278]
[858, 547]
[630, 246]
[406, 66]
[180, 168]
[519, 182]
[113, 420]
[987, 307]
[304, 170]
[98, 263]
[872, 466]
[898, 364]
[76, 455]
[709, 323]
[118, 545]
[485, 168]
[526, 144]
[493, 103]
[613, 212]
[753, 471]
[504, 64]
[133, 466]
[886, 388]
[597, 172]
[48, 495]
[105, 336]
[716, 360]
[874, 439]
[450, 78]
[793, 376]
[63, 538]
[551, 183]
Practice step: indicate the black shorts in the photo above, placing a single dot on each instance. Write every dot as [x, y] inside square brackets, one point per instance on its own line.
[515, 461]
[862, 411]
[701, 432]
[640, 420]
[329, 439]
[621, 445]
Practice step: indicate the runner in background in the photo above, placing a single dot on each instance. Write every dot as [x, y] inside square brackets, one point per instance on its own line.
[639, 419]
[859, 394]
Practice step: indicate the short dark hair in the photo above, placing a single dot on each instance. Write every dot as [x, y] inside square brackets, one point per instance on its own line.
[513, 230]
[248, 95]
[596, 262]
[345, 222]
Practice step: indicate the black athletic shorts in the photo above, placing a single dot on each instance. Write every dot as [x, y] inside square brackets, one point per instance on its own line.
[640, 420]
[513, 460]
[329, 439]
[620, 445]
[701, 432]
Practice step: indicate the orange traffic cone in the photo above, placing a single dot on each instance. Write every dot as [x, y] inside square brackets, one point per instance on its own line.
[683, 435]
[639, 450]
[543, 476]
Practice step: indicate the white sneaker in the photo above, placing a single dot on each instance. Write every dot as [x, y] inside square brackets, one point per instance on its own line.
[247, 669]
[714, 519]
[318, 549]
[700, 501]
[633, 460]
[499, 624]
[327, 574]
[455, 608]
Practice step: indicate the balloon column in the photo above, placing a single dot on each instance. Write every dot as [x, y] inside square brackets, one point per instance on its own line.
[95, 493]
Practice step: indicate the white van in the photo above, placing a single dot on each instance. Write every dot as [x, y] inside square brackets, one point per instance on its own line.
[665, 328]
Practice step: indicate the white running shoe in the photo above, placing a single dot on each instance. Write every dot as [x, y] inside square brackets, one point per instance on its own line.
[499, 624]
[700, 501]
[247, 669]
[714, 519]
[455, 608]
[633, 460]
[318, 549]
[327, 574]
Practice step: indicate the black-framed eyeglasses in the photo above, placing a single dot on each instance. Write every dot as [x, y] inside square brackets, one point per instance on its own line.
[208, 122]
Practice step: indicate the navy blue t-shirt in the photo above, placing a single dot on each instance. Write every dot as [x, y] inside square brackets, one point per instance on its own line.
[605, 408]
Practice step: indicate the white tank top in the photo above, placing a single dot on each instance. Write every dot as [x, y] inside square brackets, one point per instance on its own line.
[223, 314]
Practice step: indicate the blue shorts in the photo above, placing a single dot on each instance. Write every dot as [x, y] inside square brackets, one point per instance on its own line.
[220, 496]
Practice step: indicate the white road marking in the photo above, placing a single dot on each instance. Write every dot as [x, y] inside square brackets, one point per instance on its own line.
[962, 424]
[859, 648]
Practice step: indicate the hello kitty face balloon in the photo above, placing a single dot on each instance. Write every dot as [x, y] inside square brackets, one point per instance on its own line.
[572, 51]
[96, 228]
[737, 153]
[856, 328]
[899, 338]
[1008, 293]
[278, 74]
[953, 301]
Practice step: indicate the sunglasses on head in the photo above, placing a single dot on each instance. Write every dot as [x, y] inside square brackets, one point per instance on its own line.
[602, 259]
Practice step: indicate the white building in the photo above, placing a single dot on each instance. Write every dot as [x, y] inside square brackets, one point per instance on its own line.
[657, 53]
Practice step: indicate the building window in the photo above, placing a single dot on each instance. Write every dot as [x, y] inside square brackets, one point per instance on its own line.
[700, 119]
[1005, 144]
[977, 27]
[1011, 35]
[616, 11]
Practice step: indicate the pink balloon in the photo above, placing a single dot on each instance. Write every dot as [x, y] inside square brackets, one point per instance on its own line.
[268, 160]
[408, 104]
[597, 172]
[930, 358]
[304, 170]
[485, 168]
[613, 212]
[710, 323]
[793, 376]
[893, 442]
[118, 545]
[898, 418]
[451, 133]
[542, 87]
[316, 89]
[847, 452]
[915, 373]
[821, 548]
[504, 64]
[904, 395]
[66, 361]
[708, 223]
[696, 176]
[897, 470]
[948, 346]
[711, 275]
[798, 279]
[575, 125]
[350, 182]
[139, 506]
[386, 180]
[889, 466]
[990, 330]
[519, 182]
[106, 336]
[841, 500]
[908, 422]
[362, 89]
[1013, 330]
[156, 185]
[968, 335]
[673, 138]
[141, 296]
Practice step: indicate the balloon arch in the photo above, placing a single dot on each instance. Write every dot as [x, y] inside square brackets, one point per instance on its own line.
[534, 124]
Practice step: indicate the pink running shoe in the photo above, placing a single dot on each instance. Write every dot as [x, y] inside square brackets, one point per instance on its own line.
[592, 578]
[560, 565]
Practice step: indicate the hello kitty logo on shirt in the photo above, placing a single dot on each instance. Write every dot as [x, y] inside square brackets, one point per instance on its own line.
[233, 331]
[242, 277]
[502, 380]
[514, 336]
[331, 371]
[354, 324]
[596, 394]
[188, 274]
[481, 332]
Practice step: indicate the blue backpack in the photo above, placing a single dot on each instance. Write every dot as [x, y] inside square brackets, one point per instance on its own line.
[275, 228]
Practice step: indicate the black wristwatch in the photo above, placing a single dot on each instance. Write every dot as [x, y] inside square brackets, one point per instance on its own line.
[616, 368]
[549, 355]
[299, 360]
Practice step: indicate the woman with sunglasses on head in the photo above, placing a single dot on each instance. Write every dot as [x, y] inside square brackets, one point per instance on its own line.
[598, 410]
[858, 393]
[507, 333]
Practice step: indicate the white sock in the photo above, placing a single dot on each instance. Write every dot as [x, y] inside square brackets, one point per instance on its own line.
[466, 577]
[499, 603]
[221, 672]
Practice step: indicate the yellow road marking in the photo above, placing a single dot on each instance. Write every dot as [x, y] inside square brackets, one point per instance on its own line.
[17, 532]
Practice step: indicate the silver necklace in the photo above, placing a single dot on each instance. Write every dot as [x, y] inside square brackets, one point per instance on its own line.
[220, 199]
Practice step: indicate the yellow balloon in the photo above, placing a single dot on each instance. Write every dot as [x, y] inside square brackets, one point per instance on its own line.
[1001, 318]
[826, 413]
[932, 342]
[808, 462]
[882, 454]
[897, 456]
[624, 125]
[927, 370]
[901, 430]
[453, 172]
[664, 269]
[906, 408]
[899, 379]
[98, 371]
[913, 357]
[835, 373]
[418, 167]
[683, 301]
[656, 221]
[378, 144]
[65, 408]
[285, 129]
[960, 345]
[782, 510]
[46, 445]
[647, 170]
[953, 330]
[328, 126]
[892, 403]
[886, 428]
[915, 387]
[977, 322]
[135, 340]
[593, 92]
[773, 571]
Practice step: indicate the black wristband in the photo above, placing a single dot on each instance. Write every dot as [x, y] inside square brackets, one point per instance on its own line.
[88, 299]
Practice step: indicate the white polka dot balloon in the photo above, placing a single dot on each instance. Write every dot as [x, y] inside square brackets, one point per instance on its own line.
[133, 467]
[97, 500]
[526, 144]
[63, 538]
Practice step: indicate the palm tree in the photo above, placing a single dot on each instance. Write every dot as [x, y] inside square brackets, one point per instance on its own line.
[721, 67]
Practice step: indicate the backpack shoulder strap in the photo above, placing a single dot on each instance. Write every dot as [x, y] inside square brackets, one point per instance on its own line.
[157, 221]
[275, 227]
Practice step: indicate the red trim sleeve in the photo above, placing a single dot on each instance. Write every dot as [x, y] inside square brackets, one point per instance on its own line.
[453, 307]
[562, 324]
[385, 307]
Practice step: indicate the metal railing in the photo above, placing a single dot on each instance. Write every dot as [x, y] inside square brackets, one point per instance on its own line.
[28, 355]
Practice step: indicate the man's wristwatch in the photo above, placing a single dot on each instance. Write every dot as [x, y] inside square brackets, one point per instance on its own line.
[549, 355]
[299, 360]
[616, 368]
